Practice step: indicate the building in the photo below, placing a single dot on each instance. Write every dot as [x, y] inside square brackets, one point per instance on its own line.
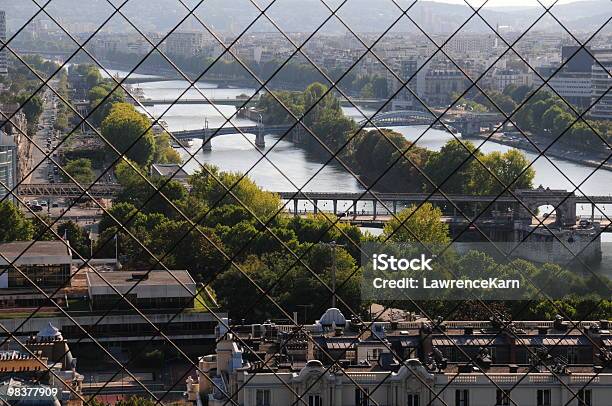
[45, 263]
[442, 83]
[41, 361]
[344, 362]
[8, 164]
[14, 148]
[174, 171]
[411, 69]
[505, 77]
[159, 289]
[185, 44]
[4, 52]
[470, 44]
[602, 82]
[583, 79]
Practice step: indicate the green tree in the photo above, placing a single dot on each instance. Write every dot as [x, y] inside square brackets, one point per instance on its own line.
[415, 224]
[81, 170]
[211, 186]
[511, 169]
[164, 153]
[79, 241]
[454, 167]
[32, 108]
[14, 226]
[129, 132]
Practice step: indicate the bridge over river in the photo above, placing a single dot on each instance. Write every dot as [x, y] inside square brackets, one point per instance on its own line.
[565, 202]
[466, 124]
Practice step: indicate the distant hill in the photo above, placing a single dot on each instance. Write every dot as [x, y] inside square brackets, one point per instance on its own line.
[305, 15]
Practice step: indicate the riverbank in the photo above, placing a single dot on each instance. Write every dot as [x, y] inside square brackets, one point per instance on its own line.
[586, 158]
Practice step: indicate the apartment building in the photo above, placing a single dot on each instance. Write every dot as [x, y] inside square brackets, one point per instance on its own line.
[185, 44]
[601, 84]
[345, 362]
[4, 52]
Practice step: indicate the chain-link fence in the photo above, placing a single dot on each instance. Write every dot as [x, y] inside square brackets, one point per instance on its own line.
[315, 202]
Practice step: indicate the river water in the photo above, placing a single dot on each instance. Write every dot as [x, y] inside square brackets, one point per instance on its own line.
[282, 166]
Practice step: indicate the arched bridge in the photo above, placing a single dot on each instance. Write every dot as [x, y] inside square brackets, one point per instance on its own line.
[468, 123]
[399, 118]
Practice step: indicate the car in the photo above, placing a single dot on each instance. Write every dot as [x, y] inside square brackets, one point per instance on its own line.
[585, 223]
[43, 203]
[36, 207]
[55, 205]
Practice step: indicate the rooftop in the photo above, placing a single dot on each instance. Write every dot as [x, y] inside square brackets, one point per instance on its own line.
[169, 170]
[30, 252]
[127, 278]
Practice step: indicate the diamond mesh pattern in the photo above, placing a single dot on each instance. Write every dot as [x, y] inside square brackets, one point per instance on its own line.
[200, 226]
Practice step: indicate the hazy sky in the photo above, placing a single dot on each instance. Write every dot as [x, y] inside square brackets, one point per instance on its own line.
[506, 3]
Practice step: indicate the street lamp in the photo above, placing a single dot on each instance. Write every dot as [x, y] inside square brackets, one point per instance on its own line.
[333, 245]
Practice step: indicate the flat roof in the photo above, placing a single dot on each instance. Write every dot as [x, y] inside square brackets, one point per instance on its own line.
[38, 252]
[156, 277]
[159, 283]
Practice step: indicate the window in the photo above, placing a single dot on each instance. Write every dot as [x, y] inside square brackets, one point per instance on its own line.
[263, 397]
[543, 397]
[314, 400]
[413, 400]
[462, 397]
[362, 396]
[502, 398]
[374, 354]
[584, 397]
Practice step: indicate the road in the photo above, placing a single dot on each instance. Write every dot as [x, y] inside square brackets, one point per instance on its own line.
[45, 138]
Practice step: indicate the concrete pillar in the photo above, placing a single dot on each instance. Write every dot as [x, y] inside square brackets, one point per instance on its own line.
[206, 142]
[260, 141]
[295, 207]
[592, 212]
[395, 207]
[316, 206]
[335, 203]
[374, 203]
[354, 207]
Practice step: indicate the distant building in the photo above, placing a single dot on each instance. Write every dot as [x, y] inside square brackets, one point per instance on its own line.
[8, 164]
[185, 43]
[602, 82]
[586, 74]
[4, 52]
[470, 44]
[441, 84]
[505, 77]
[341, 362]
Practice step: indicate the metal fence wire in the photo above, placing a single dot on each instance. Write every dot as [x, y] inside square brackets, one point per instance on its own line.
[178, 273]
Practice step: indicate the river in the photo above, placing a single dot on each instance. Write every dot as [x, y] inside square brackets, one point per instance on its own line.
[282, 166]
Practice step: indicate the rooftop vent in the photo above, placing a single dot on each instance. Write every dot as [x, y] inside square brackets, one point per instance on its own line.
[513, 368]
[140, 276]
